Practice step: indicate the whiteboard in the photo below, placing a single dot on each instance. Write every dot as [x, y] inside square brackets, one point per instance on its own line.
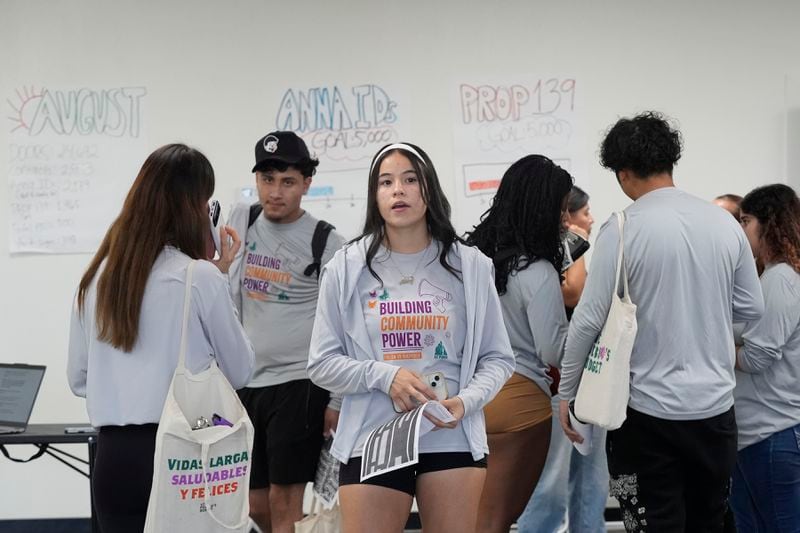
[216, 74]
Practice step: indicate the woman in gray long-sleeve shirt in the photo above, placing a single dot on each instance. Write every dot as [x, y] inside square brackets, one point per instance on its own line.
[766, 481]
[521, 232]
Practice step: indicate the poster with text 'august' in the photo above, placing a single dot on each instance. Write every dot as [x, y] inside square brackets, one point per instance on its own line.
[344, 126]
[496, 123]
[72, 156]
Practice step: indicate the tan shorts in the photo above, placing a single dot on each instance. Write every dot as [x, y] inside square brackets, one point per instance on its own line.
[519, 405]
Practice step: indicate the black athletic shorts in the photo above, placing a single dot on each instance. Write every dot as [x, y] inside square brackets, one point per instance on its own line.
[405, 479]
[288, 420]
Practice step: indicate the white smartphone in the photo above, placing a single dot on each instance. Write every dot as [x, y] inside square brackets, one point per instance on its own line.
[438, 384]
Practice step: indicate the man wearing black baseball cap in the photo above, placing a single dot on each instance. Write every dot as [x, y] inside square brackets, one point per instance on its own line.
[274, 285]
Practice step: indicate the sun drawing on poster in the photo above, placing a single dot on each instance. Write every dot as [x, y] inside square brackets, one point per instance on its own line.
[25, 109]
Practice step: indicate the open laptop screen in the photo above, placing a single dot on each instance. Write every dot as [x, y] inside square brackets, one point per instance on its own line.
[19, 385]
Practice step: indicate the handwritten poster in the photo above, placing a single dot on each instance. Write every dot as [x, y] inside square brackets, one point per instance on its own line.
[343, 126]
[72, 155]
[497, 123]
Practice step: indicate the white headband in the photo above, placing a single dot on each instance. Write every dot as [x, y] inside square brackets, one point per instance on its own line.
[396, 146]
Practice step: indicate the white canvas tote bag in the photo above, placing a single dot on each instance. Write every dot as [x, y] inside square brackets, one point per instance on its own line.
[201, 476]
[319, 519]
[603, 392]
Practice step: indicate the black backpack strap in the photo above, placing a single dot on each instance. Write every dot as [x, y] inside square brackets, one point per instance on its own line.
[255, 211]
[318, 242]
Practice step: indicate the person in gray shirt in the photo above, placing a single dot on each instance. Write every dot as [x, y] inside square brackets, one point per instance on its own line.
[691, 274]
[274, 284]
[522, 233]
[766, 483]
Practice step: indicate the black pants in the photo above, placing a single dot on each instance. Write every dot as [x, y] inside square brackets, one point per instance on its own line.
[672, 475]
[122, 476]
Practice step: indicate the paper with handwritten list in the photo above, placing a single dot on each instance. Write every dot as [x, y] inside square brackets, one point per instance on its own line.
[72, 155]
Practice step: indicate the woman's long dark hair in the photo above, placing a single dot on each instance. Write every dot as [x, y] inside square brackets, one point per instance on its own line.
[524, 223]
[437, 214]
[167, 204]
[777, 209]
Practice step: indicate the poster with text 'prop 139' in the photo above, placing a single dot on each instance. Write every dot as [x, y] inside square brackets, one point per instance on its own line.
[344, 126]
[497, 123]
[73, 153]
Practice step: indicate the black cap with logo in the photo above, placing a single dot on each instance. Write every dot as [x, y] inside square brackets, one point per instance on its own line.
[284, 146]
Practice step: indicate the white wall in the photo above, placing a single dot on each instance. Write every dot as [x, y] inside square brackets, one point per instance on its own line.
[215, 71]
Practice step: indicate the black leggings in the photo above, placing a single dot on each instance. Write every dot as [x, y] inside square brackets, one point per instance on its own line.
[122, 476]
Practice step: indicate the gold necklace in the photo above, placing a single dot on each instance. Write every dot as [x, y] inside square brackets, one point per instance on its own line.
[408, 279]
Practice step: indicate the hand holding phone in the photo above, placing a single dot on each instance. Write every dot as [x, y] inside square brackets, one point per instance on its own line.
[575, 246]
[437, 383]
[409, 390]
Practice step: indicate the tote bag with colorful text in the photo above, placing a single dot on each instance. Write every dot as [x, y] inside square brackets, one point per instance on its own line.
[200, 476]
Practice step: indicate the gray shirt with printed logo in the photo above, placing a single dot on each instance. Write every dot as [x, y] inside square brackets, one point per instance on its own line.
[278, 300]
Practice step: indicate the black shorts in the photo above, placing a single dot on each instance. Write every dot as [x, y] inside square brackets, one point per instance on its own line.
[288, 420]
[405, 479]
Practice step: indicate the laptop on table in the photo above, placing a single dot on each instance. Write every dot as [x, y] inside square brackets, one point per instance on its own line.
[19, 386]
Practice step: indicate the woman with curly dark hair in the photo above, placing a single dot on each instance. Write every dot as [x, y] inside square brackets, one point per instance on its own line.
[522, 233]
[766, 481]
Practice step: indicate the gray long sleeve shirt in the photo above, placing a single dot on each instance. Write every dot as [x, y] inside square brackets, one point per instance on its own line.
[767, 392]
[691, 273]
[533, 310]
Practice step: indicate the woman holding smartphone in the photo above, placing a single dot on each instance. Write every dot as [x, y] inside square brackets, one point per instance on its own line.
[579, 221]
[402, 304]
[127, 321]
